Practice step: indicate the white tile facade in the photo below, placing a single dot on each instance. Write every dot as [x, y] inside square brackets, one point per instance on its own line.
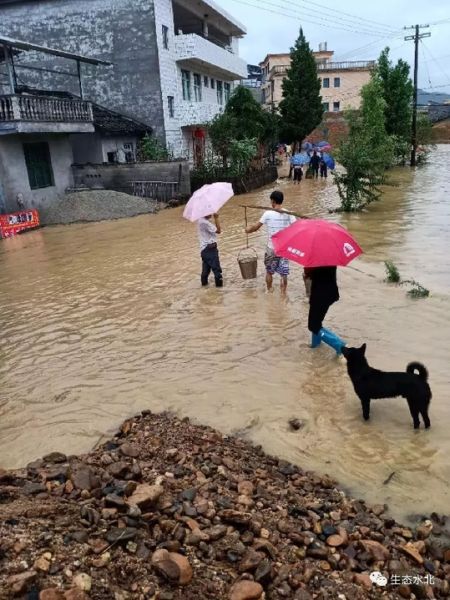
[193, 47]
[199, 56]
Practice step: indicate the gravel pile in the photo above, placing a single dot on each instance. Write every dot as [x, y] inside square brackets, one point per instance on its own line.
[95, 205]
[167, 510]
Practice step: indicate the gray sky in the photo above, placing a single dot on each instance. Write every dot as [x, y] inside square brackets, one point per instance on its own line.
[350, 34]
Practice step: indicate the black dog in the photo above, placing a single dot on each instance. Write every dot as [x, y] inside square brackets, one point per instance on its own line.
[371, 383]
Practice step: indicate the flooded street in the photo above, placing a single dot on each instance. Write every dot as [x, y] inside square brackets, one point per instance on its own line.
[99, 321]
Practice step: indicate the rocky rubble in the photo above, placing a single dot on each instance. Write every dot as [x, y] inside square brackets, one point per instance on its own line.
[167, 510]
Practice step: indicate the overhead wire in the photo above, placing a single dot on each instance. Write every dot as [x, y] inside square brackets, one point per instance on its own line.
[357, 51]
[322, 22]
[422, 47]
[336, 11]
[348, 22]
[446, 75]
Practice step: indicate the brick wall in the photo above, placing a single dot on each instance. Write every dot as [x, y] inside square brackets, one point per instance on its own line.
[333, 129]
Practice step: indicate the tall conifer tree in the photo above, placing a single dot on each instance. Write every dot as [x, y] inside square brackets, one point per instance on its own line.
[301, 107]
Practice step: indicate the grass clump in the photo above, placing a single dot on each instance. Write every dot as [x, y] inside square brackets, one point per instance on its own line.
[392, 273]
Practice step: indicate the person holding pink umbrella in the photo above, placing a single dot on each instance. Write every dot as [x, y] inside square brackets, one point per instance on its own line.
[207, 235]
[204, 204]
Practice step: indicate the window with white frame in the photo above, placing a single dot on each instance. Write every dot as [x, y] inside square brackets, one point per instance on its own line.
[336, 106]
[326, 82]
[337, 82]
[219, 92]
[186, 84]
[171, 104]
[197, 87]
[227, 90]
[326, 106]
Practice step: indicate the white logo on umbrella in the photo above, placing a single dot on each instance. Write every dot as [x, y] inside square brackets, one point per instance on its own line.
[295, 251]
[348, 249]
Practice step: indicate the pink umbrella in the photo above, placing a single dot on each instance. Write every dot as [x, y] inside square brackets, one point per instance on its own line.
[208, 200]
[316, 243]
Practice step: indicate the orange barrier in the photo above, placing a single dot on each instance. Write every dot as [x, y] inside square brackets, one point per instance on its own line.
[14, 223]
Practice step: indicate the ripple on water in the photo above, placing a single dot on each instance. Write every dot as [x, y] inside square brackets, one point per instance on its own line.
[107, 319]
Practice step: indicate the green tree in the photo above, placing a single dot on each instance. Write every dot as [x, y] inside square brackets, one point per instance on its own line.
[248, 115]
[366, 153]
[397, 89]
[242, 120]
[222, 130]
[301, 107]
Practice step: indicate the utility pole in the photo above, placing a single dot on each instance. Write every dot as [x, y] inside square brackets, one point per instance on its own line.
[416, 37]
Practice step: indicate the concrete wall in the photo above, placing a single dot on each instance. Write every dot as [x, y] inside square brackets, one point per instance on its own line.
[94, 148]
[14, 175]
[87, 148]
[113, 30]
[119, 177]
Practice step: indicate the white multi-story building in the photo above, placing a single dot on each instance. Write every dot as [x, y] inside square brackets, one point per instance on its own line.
[199, 64]
[174, 62]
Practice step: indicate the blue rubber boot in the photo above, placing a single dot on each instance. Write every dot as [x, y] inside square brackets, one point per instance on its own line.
[332, 340]
[315, 340]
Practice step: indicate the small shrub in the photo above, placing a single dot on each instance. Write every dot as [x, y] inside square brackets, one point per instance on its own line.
[392, 273]
[150, 148]
[417, 290]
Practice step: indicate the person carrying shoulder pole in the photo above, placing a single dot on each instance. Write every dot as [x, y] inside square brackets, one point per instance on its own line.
[274, 220]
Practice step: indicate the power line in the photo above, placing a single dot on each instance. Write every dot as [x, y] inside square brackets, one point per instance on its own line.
[435, 87]
[353, 20]
[350, 53]
[446, 75]
[440, 22]
[422, 46]
[298, 16]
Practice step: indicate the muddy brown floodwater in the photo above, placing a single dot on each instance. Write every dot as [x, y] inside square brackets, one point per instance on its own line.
[99, 321]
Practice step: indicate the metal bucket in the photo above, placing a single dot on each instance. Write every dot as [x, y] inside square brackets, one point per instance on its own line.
[248, 264]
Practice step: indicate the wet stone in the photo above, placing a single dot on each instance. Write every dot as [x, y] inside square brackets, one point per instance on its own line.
[117, 534]
[130, 450]
[55, 457]
[30, 489]
[189, 494]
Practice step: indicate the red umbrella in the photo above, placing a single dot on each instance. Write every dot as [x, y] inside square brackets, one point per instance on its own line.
[316, 243]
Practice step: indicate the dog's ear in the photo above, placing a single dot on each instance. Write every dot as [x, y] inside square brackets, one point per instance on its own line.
[363, 348]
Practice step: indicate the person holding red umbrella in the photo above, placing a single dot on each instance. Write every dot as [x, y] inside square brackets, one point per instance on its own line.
[324, 293]
[320, 246]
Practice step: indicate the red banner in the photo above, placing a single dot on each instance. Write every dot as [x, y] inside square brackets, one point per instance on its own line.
[14, 223]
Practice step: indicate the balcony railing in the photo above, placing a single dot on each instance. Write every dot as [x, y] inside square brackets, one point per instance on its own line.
[355, 65]
[43, 109]
[193, 48]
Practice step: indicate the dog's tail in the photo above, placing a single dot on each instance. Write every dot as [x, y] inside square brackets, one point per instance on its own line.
[416, 366]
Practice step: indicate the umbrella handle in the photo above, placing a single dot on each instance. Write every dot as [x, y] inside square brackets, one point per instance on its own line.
[245, 210]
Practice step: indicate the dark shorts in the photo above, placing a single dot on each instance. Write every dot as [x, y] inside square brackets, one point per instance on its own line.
[276, 264]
